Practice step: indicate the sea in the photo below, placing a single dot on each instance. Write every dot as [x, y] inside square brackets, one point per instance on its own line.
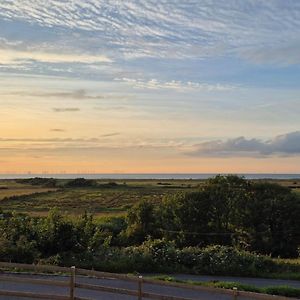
[158, 176]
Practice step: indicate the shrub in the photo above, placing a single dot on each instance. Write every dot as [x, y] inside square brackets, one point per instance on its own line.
[222, 260]
[162, 256]
[80, 182]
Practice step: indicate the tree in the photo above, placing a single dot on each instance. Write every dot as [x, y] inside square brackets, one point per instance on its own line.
[230, 210]
[273, 220]
[141, 220]
[183, 218]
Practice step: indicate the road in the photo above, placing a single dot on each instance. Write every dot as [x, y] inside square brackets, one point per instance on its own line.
[106, 282]
[258, 282]
[172, 291]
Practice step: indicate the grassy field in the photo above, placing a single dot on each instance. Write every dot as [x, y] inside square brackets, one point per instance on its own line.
[102, 199]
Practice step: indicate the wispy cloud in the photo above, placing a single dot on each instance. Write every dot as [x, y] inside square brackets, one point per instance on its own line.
[60, 140]
[175, 85]
[103, 141]
[66, 109]
[110, 134]
[11, 56]
[77, 94]
[286, 144]
[57, 130]
[165, 29]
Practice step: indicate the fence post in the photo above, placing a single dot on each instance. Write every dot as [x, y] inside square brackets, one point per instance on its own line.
[72, 283]
[235, 293]
[140, 288]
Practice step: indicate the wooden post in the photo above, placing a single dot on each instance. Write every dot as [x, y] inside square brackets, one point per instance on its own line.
[72, 283]
[235, 293]
[140, 288]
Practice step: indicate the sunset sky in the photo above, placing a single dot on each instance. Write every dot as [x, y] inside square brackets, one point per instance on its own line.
[91, 86]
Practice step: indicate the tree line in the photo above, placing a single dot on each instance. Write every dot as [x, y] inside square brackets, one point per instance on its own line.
[227, 211]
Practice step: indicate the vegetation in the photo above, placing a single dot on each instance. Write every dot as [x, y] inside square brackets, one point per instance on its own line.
[227, 226]
[261, 217]
[73, 197]
[46, 182]
[283, 290]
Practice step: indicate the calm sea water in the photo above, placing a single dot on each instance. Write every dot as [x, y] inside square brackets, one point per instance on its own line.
[147, 176]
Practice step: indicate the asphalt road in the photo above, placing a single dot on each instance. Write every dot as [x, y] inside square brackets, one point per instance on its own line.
[106, 282]
[171, 291]
[258, 282]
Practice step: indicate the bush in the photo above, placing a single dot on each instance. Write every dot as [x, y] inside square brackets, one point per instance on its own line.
[80, 182]
[162, 256]
[222, 260]
[46, 182]
[161, 253]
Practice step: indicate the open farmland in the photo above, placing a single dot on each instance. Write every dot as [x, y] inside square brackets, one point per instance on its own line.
[10, 188]
[102, 199]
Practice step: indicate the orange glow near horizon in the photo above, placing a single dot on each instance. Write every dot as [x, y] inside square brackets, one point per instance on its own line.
[120, 87]
[48, 137]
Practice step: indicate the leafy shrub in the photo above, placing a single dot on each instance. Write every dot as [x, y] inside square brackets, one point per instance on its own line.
[80, 182]
[162, 256]
[47, 182]
[224, 260]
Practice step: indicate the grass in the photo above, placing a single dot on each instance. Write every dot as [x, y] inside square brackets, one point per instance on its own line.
[286, 275]
[21, 192]
[10, 188]
[288, 260]
[281, 290]
[101, 200]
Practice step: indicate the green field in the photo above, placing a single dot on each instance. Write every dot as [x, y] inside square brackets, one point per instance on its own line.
[101, 199]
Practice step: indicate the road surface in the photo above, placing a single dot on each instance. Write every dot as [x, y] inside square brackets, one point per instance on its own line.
[153, 288]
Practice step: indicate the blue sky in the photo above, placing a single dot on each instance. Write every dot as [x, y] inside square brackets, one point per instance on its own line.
[150, 86]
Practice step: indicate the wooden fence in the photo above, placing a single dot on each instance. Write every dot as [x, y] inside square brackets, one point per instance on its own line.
[72, 284]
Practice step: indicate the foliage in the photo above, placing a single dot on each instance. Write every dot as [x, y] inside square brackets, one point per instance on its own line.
[218, 229]
[46, 182]
[223, 260]
[228, 210]
[141, 222]
[80, 182]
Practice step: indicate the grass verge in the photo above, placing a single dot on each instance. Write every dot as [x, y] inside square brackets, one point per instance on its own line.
[281, 290]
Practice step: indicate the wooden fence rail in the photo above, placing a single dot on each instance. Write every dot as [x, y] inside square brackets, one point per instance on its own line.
[72, 284]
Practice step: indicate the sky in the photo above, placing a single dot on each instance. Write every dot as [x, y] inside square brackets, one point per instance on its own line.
[107, 86]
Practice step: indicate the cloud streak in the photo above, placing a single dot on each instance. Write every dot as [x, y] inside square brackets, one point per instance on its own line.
[103, 141]
[11, 56]
[65, 109]
[57, 130]
[76, 94]
[154, 84]
[80, 94]
[284, 145]
[60, 140]
[165, 28]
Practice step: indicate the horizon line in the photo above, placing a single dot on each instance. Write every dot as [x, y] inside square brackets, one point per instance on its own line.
[149, 173]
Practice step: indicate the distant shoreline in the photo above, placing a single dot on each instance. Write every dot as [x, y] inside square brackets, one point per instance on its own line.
[149, 176]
